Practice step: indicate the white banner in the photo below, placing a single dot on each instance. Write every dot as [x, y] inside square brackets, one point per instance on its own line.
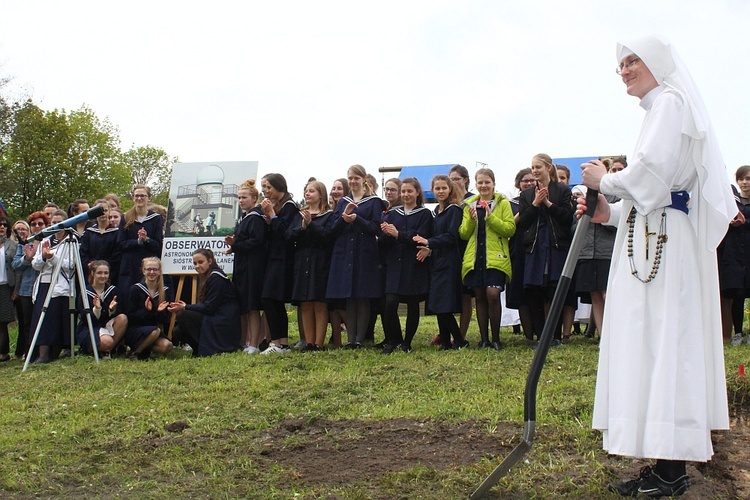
[177, 254]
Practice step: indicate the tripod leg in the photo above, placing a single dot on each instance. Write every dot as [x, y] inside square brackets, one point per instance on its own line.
[85, 301]
[47, 298]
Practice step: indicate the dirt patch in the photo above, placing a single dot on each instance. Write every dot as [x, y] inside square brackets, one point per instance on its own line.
[344, 452]
[341, 453]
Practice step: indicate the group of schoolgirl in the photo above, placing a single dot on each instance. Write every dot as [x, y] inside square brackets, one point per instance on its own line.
[346, 257]
[366, 254]
[128, 301]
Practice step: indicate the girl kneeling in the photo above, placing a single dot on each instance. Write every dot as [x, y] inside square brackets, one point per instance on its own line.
[212, 325]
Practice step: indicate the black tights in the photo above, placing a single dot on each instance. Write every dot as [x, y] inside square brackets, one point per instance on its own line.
[489, 310]
[738, 308]
[536, 298]
[448, 326]
[391, 323]
[278, 321]
[4, 339]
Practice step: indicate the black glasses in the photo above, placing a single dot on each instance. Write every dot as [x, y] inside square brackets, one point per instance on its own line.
[4, 224]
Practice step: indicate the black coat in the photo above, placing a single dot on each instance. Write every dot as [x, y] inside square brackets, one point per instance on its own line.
[312, 257]
[734, 252]
[405, 275]
[277, 284]
[101, 246]
[220, 329]
[250, 259]
[560, 215]
[355, 260]
[132, 251]
[445, 261]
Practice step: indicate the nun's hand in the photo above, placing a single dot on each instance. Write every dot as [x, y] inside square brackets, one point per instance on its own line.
[592, 172]
[601, 214]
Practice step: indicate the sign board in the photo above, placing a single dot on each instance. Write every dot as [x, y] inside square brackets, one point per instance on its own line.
[203, 209]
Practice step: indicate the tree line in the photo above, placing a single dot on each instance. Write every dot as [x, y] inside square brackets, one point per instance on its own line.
[59, 156]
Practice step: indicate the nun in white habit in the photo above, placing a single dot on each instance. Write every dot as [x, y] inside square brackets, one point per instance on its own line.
[661, 387]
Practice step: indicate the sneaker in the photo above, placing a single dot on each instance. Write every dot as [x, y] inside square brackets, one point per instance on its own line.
[650, 484]
[248, 349]
[556, 343]
[737, 339]
[300, 345]
[277, 349]
[186, 347]
[105, 355]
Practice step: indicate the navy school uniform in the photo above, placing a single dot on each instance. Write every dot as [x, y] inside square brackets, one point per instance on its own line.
[277, 284]
[514, 296]
[82, 329]
[445, 261]
[734, 251]
[405, 275]
[250, 258]
[355, 260]
[100, 246]
[141, 322]
[312, 257]
[132, 251]
[220, 325]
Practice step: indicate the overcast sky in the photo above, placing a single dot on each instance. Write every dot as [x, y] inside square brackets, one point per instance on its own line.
[309, 88]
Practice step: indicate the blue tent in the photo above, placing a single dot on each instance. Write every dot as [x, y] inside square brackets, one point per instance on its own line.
[424, 174]
[574, 164]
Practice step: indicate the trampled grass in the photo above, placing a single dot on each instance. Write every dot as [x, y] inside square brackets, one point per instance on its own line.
[74, 428]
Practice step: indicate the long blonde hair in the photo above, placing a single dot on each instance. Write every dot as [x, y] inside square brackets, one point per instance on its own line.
[160, 283]
[547, 160]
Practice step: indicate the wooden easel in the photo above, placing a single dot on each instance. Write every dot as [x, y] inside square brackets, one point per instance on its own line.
[178, 294]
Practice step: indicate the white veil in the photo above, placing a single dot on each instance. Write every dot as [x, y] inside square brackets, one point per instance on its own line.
[711, 218]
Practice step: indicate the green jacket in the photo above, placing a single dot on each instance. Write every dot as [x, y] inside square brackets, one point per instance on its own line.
[500, 226]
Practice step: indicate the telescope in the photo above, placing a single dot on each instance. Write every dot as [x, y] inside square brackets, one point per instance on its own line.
[91, 213]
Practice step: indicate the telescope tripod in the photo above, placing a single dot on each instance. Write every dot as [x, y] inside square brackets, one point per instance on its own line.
[67, 248]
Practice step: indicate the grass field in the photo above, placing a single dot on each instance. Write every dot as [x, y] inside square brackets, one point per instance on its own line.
[334, 424]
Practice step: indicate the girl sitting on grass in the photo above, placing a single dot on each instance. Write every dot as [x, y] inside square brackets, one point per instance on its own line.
[108, 320]
[212, 325]
[147, 313]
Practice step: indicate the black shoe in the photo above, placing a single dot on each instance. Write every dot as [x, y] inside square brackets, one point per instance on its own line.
[496, 345]
[483, 344]
[388, 348]
[353, 345]
[650, 484]
[379, 345]
[404, 347]
[444, 347]
[41, 361]
[263, 345]
[461, 345]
